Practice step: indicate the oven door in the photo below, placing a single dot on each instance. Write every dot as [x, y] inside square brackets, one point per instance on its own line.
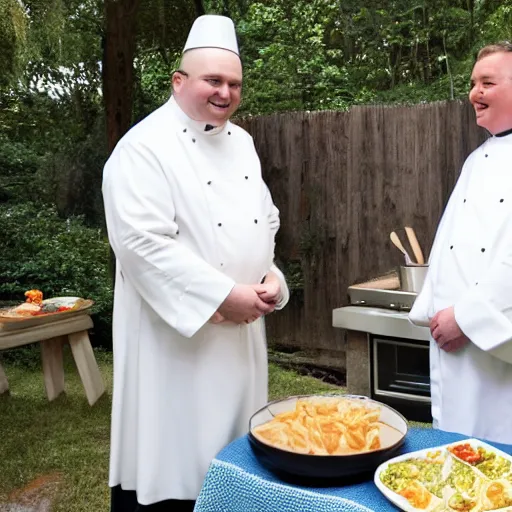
[401, 375]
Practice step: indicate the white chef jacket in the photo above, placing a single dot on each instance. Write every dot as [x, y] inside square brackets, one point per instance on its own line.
[471, 269]
[188, 216]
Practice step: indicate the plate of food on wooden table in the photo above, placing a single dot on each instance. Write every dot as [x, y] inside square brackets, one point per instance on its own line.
[36, 310]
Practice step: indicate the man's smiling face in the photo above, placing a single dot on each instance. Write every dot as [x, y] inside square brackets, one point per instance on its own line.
[491, 92]
[210, 88]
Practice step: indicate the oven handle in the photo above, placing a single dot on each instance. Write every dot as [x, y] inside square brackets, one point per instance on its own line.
[409, 397]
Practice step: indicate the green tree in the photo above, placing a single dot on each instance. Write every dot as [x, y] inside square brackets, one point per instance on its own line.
[13, 35]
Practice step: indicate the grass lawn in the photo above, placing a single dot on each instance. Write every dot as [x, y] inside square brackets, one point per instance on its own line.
[65, 444]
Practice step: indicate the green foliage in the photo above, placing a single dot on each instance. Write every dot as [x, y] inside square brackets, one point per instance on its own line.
[65, 33]
[16, 158]
[70, 176]
[13, 32]
[27, 357]
[53, 151]
[58, 256]
[163, 26]
[18, 164]
[294, 274]
[498, 26]
[298, 54]
[317, 55]
[153, 72]
[289, 63]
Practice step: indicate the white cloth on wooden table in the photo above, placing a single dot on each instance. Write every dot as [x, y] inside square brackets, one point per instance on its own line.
[188, 216]
[471, 269]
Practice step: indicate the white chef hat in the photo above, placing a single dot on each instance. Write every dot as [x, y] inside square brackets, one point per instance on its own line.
[212, 31]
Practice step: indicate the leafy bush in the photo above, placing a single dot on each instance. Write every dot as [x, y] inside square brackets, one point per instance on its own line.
[57, 256]
[18, 164]
[71, 176]
[28, 356]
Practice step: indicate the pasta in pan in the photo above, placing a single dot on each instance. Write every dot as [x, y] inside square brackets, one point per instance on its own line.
[324, 426]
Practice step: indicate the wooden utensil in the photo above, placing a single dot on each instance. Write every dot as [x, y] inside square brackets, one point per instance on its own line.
[396, 241]
[416, 249]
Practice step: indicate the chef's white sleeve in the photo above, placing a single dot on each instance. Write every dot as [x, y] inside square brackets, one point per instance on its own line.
[274, 223]
[484, 314]
[419, 314]
[183, 289]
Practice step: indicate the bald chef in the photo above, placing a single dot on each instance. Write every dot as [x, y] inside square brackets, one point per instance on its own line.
[467, 297]
[192, 225]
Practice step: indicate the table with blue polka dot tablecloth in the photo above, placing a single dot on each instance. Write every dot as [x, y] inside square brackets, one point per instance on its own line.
[237, 482]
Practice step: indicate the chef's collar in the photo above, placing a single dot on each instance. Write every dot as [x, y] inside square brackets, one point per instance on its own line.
[503, 134]
[198, 126]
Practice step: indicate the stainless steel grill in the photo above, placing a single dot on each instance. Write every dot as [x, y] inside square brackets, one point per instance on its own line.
[382, 292]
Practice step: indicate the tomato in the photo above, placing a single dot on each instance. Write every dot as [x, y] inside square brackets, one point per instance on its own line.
[466, 453]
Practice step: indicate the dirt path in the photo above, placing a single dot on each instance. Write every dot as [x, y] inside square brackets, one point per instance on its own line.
[37, 496]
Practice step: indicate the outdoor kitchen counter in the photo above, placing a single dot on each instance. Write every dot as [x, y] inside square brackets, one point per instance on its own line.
[362, 321]
[381, 321]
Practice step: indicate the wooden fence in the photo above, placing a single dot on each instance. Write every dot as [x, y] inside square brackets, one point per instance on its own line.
[343, 181]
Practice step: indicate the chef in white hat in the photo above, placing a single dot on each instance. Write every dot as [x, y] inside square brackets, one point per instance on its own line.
[192, 225]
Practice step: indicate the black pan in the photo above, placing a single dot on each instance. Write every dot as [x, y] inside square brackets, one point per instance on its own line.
[290, 464]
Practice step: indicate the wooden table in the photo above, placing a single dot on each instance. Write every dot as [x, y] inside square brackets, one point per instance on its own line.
[52, 337]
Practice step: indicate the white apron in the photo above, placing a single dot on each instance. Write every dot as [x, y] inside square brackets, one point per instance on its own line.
[188, 216]
[471, 269]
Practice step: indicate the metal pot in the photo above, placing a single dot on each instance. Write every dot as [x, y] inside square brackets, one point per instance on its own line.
[412, 277]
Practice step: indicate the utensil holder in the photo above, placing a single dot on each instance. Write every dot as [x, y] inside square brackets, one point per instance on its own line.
[412, 277]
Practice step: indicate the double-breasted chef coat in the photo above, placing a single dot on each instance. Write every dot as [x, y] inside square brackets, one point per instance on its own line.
[471, 269]
[188, 216]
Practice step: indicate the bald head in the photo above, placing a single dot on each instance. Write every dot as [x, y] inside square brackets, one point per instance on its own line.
[208, 85]
[210, 56]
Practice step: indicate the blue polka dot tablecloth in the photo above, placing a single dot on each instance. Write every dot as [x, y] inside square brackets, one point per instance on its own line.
[237, 482]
